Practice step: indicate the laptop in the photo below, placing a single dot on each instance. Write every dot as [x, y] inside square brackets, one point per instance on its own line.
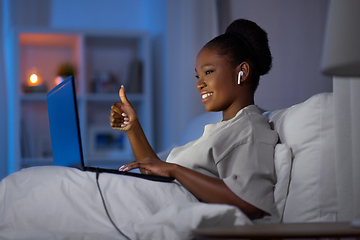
[65, 132]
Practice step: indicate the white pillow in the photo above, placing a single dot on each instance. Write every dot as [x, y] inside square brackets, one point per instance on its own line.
[308, 129]
[283, 161]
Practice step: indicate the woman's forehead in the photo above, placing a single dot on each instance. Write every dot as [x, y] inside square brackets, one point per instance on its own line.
[208, 57]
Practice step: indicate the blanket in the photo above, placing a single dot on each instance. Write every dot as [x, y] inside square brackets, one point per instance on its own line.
[64, 203]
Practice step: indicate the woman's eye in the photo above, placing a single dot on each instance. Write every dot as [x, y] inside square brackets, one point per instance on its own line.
[208, 72]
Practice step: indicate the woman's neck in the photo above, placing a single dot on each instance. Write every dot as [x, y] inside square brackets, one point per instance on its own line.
[232, 110]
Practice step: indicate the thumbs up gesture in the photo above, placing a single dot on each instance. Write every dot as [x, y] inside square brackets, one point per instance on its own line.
[122, 114]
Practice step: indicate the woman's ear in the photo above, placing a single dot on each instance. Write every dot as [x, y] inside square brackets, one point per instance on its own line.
[242, 70]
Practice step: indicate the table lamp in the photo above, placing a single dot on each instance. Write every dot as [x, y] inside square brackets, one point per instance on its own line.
[341, 59]
[341, 53]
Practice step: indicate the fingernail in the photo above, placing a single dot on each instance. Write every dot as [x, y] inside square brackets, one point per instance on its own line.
[126, 119]
[124, 114]
[127, 123]
[123, 125]
[123, 169]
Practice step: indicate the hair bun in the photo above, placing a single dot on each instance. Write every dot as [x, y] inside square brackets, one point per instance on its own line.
[256, 40]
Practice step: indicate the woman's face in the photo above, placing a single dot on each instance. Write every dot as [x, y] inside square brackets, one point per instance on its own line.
[217, 82]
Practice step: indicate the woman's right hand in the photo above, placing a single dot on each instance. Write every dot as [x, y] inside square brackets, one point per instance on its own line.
[122, 114]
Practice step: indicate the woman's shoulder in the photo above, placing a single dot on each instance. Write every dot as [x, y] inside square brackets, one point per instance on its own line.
[261, 129]
[250, 125]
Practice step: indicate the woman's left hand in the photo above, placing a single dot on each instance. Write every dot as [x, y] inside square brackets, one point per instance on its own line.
[150, 166]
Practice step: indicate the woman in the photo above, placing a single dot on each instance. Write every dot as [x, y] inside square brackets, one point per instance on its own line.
[232, 163]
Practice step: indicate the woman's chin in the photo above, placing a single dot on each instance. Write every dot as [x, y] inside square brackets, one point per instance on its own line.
[209, 108]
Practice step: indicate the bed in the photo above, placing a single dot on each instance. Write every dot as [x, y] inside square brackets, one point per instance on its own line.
[64, 203]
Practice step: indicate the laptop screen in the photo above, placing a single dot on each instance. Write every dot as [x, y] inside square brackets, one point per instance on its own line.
[64, 125]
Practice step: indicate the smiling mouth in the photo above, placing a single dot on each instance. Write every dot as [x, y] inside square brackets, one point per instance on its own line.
[203, 96]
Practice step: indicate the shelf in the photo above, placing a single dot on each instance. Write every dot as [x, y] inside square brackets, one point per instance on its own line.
[43, 53]
[46, 39]
[103, 97]
[92, 97]
[29, 97]
[104, 60]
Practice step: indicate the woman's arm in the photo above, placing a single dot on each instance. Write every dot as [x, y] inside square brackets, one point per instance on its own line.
[139, 143]
[212, 190]
[208, 189]
[123, 117]
[205, 188]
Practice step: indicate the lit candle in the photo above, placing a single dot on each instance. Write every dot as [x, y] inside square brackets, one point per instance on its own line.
[34, 82]
[34, 79]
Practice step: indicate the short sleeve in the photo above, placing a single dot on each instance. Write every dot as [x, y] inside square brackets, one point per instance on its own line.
[248, 170]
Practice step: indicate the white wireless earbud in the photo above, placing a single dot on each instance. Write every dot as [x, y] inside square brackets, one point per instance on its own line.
[239, 76]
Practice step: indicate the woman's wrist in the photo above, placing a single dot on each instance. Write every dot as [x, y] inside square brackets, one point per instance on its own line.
[174, 168]
[135, 125]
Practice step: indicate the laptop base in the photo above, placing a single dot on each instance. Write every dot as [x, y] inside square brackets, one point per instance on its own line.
[139, 175]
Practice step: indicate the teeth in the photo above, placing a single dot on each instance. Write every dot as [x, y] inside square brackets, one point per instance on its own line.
[206, 95]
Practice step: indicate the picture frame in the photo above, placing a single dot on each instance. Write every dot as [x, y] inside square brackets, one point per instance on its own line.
[105, 142]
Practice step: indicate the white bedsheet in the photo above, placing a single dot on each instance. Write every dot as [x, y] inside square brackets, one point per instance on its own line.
[64, 203]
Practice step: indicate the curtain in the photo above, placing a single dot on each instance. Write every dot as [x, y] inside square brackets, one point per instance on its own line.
[191, 24]
[347, 149]
[3, 101]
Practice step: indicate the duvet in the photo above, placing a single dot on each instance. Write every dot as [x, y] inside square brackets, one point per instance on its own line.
[64, 203]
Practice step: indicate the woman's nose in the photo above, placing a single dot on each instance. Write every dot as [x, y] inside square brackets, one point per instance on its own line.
[200, 85]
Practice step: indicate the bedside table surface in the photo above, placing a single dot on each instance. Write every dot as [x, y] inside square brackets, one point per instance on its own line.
[282, 230]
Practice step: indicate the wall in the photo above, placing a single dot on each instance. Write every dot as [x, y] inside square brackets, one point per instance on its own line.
[109, 14]
[191, 24]
[295, 29]
[178, 30]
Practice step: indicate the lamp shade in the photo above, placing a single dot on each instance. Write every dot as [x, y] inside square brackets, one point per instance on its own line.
[341, 53]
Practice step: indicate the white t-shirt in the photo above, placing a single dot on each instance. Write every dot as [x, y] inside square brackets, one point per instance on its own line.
[240, 151]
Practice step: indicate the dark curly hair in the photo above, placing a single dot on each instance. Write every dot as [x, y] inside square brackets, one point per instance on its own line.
[245, 41]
